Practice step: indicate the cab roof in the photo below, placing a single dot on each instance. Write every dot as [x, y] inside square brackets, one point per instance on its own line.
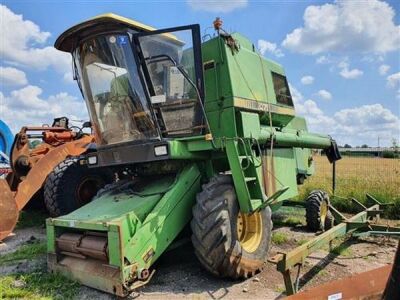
[68, 40]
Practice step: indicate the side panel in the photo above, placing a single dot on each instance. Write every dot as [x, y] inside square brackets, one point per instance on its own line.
[279, 171]
[166, 220]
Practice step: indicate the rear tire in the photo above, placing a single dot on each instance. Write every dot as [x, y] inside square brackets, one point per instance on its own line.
[71, 185]
[227, 242]
[318, 216]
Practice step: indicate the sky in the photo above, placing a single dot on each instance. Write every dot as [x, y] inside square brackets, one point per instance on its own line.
[341, 58]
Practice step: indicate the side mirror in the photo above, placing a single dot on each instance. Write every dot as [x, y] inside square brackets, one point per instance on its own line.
[87, 124]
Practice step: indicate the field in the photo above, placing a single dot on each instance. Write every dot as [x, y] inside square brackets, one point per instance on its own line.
[356, 176]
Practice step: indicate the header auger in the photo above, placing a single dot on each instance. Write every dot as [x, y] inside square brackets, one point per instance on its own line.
[199, 132]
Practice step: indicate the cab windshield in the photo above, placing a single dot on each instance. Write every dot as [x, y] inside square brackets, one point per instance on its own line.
[140, 86]
[114, 93]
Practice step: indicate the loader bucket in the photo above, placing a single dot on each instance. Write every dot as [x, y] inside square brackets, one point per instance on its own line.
[8, 210]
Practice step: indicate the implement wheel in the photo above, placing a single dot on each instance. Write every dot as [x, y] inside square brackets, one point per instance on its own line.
[227, 242]
[71, 185]
[318, 216]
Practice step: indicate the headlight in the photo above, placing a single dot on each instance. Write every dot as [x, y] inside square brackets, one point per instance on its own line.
[160, 150]
[92, 160]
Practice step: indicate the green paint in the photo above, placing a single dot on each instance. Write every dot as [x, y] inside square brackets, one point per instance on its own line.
[135, 224]
[256, 137]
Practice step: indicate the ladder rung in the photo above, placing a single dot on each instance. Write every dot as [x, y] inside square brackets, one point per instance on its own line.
[250, 179]
[256, 202]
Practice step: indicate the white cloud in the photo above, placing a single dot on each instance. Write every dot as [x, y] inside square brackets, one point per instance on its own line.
[347, 73]
[26, 106]
[346, 26]
[307, 80]
[223, 6]
[22, 42]
[351, 74]
[265, 46]
[393, 80]
[324, 94]
[355, 126]
[383, 69]
[323, 59]
[12, 76]
[68, 77]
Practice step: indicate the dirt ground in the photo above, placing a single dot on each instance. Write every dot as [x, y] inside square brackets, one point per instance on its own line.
[179, 275]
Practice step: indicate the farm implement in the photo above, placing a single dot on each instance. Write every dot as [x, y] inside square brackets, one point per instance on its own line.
[381, 283]
[43, 169]
[365, 223]
[199, 133]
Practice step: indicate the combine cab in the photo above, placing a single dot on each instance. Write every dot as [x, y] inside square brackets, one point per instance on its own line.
[207, 135]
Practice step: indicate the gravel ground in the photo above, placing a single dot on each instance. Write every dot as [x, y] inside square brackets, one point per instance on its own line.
[179, 275]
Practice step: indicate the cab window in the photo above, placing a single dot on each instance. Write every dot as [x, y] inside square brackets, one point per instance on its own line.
[281, 89]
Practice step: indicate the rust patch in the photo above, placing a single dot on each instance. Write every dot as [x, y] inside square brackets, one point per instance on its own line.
[367, 285]
[269, 173]
[74, 244]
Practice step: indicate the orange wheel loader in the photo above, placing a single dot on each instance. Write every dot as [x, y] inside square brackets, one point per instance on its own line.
[52, 169]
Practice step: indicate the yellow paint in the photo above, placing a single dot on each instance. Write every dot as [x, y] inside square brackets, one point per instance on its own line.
[249, 229]
[262, 106]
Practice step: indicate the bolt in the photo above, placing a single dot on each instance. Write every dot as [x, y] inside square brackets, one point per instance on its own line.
[143, 274]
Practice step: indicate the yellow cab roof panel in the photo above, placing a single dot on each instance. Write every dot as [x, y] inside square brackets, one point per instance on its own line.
[67, 40]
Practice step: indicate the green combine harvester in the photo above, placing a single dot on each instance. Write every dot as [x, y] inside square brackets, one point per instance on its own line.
[199, 133]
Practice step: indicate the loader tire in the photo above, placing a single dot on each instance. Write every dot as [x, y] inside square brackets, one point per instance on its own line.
[71, 185]
[227, 242]
[318, 216]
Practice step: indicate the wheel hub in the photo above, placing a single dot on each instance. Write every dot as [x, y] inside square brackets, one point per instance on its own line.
[87, 189]
[249, 230]
[323, 212]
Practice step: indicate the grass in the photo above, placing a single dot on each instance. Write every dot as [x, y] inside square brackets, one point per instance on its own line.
[289, 216]
[31, 218]
[279, 238]
[293, 221]
[37, 285]
[356, 176]
[342, 250]
[29, 252]
[301, 242]
[279, 289]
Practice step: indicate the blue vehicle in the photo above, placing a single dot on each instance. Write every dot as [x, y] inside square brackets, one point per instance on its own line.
[6, 140]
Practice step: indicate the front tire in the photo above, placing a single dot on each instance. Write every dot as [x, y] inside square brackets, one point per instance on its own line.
[318, 216]
[71, 185]
[227, 242]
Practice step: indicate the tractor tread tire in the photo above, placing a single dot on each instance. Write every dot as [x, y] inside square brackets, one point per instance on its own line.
[61, 180]
[313, 206]
[214, 232]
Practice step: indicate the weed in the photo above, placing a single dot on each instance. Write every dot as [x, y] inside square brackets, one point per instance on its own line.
[279, 238]
[342, 250]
